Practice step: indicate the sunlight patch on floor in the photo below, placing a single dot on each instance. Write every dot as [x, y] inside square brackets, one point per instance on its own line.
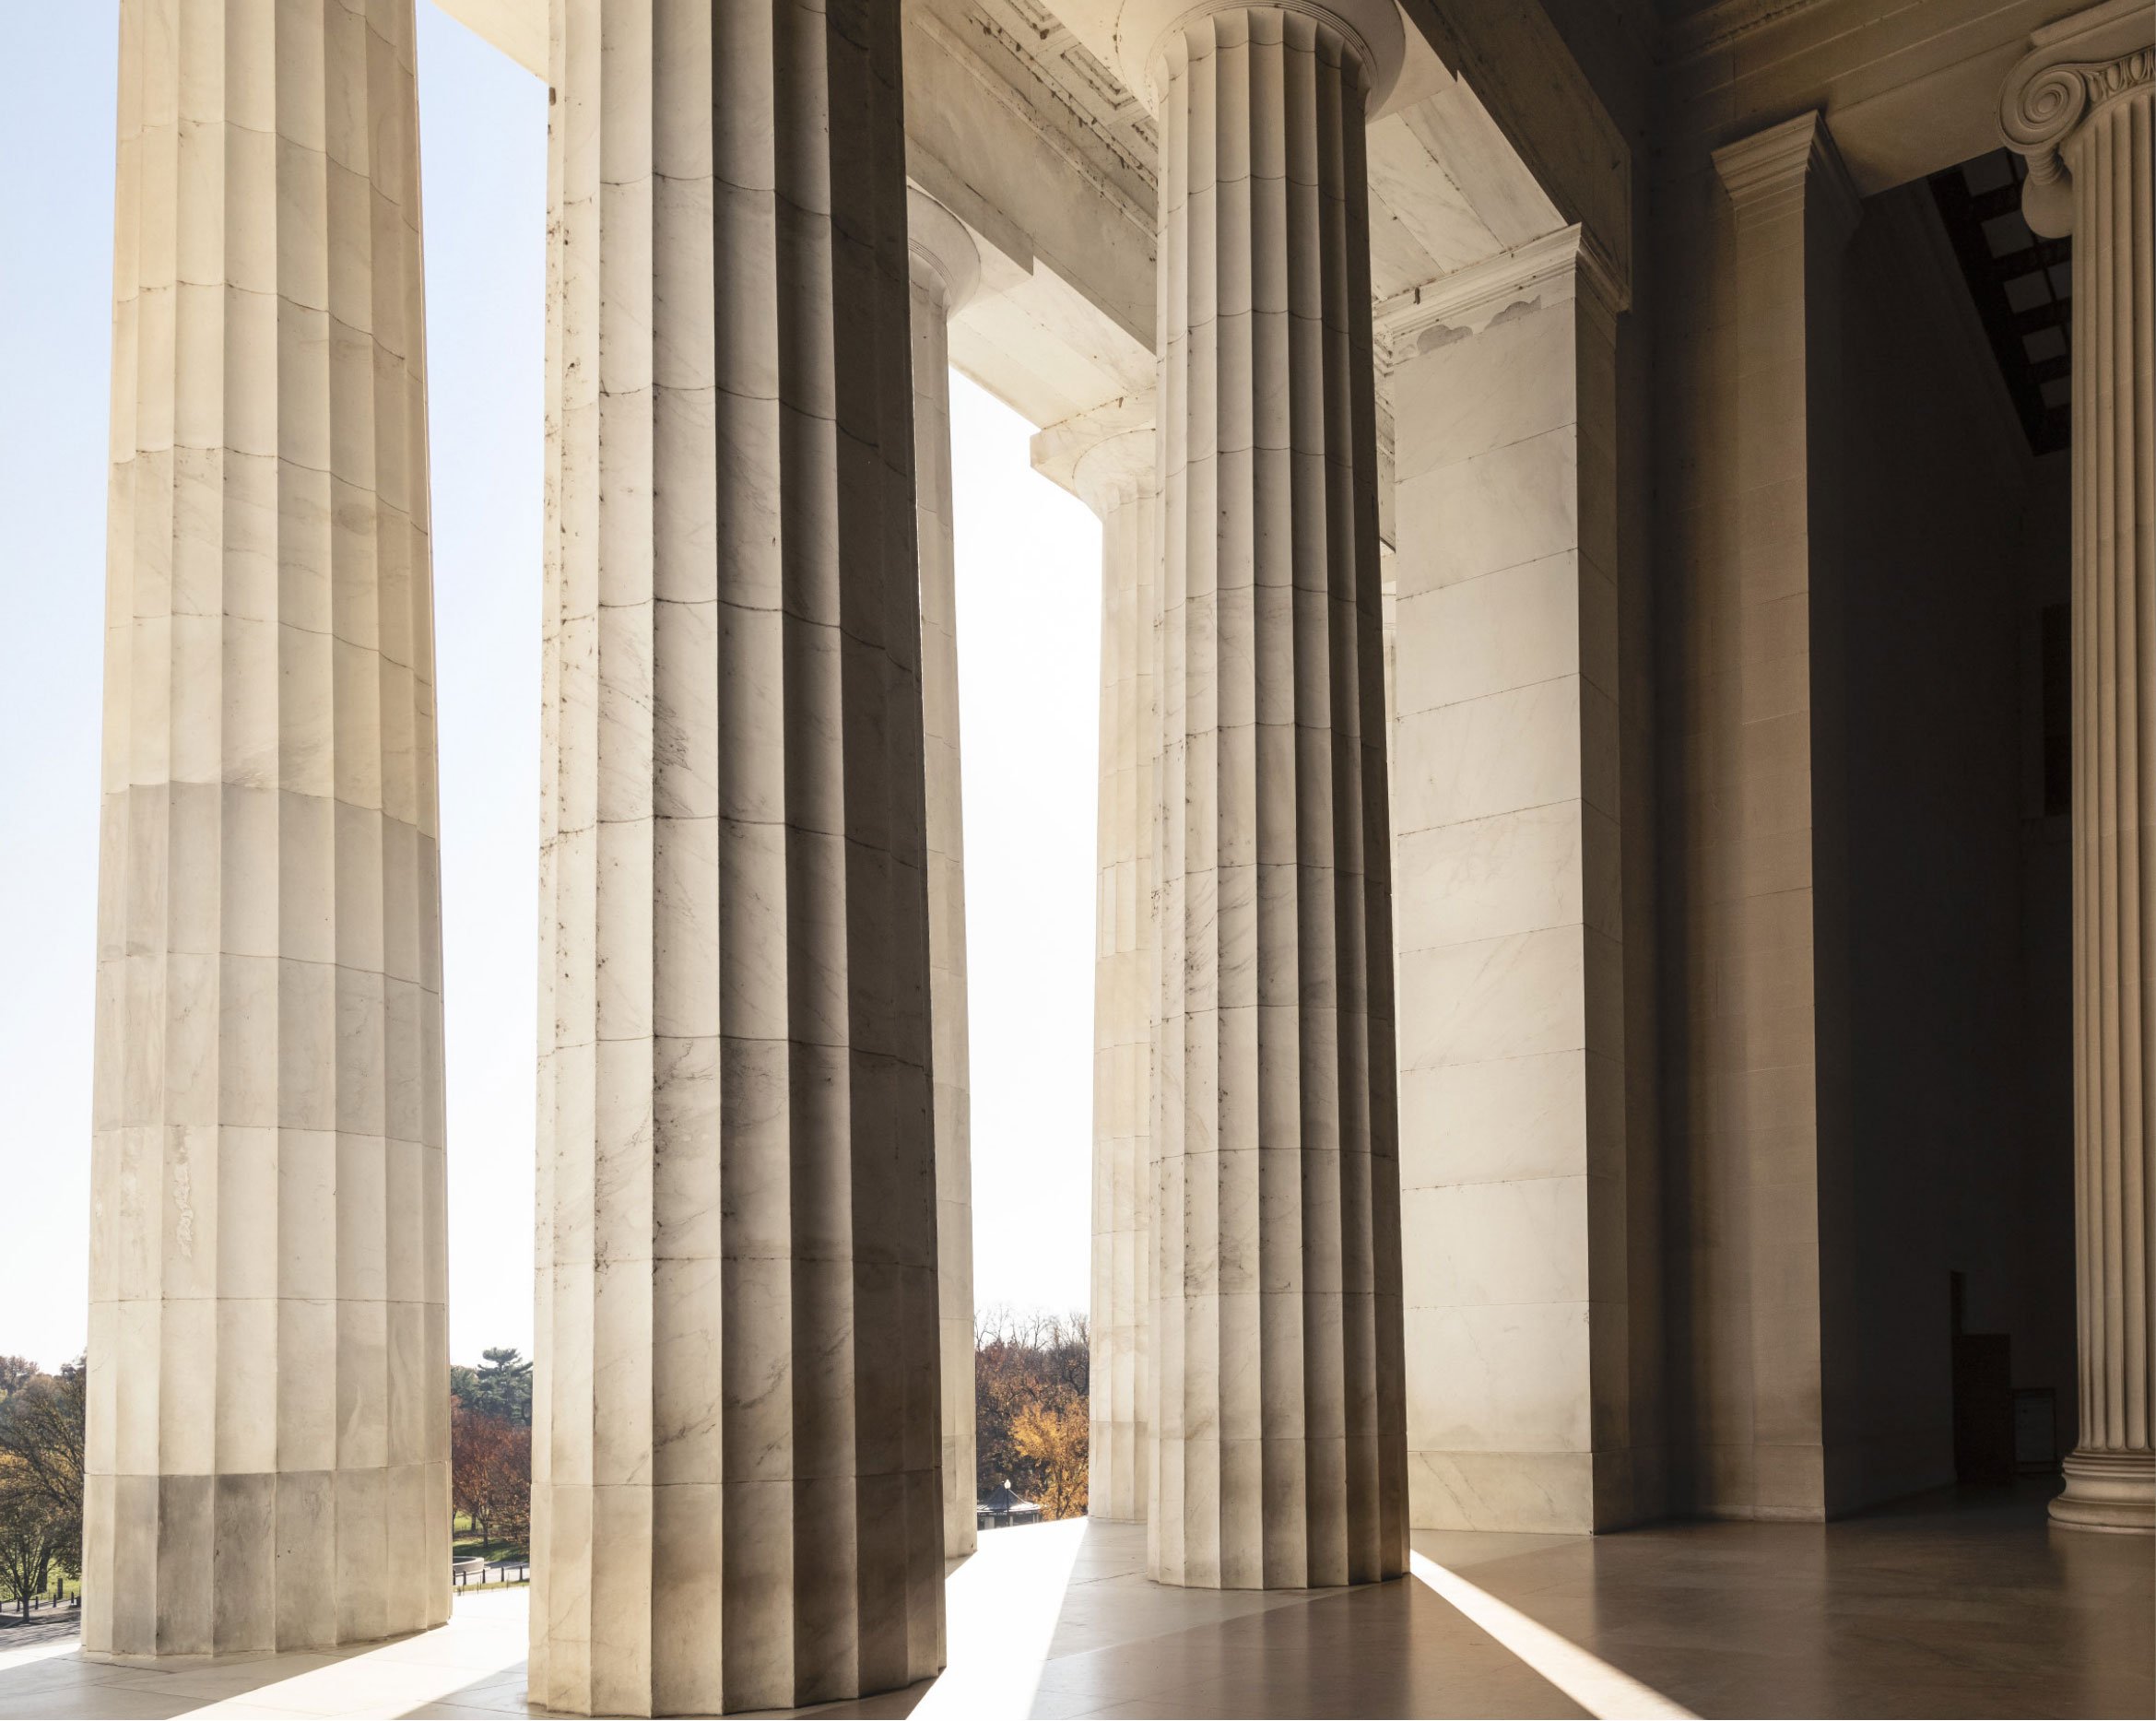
[1580, 1674]
[1002, 1615]
[37, 1652]
[483, 1642]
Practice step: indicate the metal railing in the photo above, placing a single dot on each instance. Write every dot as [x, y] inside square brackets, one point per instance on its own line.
[463, 1576]
[42, 1604]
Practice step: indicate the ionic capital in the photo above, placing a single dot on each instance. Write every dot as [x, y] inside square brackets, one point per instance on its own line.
[2078, 65]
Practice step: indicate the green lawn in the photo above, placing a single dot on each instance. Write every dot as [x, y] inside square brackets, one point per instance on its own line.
[465, 1544]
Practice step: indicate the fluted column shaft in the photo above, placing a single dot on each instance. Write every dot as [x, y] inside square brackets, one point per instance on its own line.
[1117, 480]
[736, 1499]
[946, 269]
[268, 1427]
[2084, 111]
[1276, 1338]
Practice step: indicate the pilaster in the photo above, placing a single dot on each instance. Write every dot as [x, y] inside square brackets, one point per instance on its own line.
[1108, 457]
[1768, 1178]
[1522, 1410]
[946, 271]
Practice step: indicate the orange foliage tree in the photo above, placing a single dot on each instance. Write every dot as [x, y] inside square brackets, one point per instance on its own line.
[491, 1474]
[1030, 1414]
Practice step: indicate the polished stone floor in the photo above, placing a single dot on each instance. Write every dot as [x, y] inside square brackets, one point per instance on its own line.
[1948, 1604]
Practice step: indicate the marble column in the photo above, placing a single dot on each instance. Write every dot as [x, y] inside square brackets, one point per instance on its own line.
[1276, 1338]
[267, 1461]
[1106, 456]
[2081, 106]
[737, 1497]
[946, 271]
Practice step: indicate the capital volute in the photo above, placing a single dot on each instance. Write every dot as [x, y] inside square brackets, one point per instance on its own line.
[1370, 29]
[2076, 68]
[941, 245]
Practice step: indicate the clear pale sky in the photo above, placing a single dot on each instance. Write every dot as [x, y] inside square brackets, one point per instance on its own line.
[1028, 626]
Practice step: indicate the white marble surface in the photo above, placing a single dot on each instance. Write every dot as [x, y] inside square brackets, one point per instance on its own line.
[1060, 1620]
[1509, 923]
[737, 1462]
[945, 272]
[268, 1433]
[1274, 1344]
[1108, 457]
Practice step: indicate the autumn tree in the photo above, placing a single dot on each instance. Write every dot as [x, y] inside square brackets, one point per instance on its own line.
[1031, 1373]
[508, 1486]
[490, 1444]
[33, 1538]
[474, 1440]
[41, 1453]
[1053, 1436]
[40, 1476]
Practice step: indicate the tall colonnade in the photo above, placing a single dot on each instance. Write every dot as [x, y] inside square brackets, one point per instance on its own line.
[753, 1443]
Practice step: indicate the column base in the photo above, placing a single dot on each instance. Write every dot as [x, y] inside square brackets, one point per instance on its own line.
[189, 1663]
[2113, 1492]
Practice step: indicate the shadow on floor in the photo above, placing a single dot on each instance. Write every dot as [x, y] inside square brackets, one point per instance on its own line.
[1952, 1603]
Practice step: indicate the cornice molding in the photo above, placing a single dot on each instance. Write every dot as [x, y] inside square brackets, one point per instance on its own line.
[1787, 167]
[1557, 265]
[1000, 90]
[2076, 68]
[1727, 21]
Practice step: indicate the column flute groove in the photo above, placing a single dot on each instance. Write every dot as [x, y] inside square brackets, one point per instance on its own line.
[1276, 1342]
[737, 1492]
[1126, 981]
